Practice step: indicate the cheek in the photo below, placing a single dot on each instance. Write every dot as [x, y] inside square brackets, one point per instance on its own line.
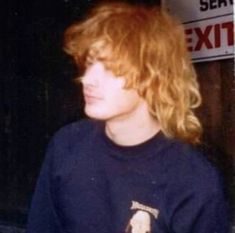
[123, 100]
[114, 90]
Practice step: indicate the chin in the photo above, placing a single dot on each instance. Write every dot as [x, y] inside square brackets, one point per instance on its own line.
[95, 114]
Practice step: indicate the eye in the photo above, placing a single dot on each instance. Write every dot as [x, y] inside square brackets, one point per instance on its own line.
[88, 63]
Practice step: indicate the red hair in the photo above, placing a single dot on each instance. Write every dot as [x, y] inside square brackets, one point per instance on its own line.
[148, 47]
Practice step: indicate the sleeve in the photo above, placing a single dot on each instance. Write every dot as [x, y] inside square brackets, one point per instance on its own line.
[42, 215]
[193, 215]
[212, 216]
[197, 205]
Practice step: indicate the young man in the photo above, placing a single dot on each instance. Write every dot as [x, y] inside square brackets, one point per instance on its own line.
[133, 167]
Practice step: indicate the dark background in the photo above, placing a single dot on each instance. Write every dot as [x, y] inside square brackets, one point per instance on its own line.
[38, 96]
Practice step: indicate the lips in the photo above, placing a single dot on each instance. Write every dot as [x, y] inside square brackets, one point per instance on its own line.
[89, 98]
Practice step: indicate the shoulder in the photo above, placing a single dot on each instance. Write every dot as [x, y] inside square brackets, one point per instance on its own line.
[70, 139]
[188, 168]
[75, 129]
[75, 134]
[194, 194]
[68, 147]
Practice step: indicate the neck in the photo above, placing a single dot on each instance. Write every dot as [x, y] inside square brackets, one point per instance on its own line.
[132, 130]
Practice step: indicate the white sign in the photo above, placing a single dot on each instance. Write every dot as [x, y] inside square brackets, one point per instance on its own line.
[209, 27]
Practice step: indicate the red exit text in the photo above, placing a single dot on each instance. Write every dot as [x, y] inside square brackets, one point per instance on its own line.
[210, 36]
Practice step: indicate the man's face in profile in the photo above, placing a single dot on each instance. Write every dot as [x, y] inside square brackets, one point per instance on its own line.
[105, 95]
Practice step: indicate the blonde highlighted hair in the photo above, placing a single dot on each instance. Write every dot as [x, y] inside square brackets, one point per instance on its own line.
[148, 47]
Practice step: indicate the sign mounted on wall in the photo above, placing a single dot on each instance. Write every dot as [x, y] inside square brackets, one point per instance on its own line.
[209, 27]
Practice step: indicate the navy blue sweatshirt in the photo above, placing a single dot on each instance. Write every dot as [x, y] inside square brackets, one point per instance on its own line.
[89, 184]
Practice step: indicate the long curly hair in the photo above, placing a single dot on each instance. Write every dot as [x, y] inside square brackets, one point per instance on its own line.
[148, 47]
